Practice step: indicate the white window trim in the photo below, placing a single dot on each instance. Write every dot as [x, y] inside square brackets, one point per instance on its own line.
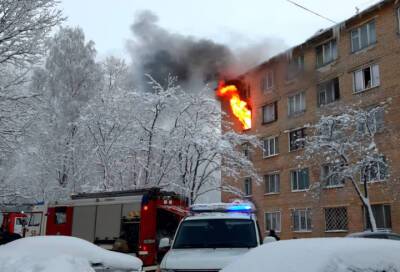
[365, 89]
[276, 141]
[274, 173]
[268, 87]
[333, 54]
[302, 230]
[331, 91]
[291, 182]
[359, 36]
[303, 107]
[374, 180]
[280, 220]
[329, 186]
[275, 105]
[337, 230]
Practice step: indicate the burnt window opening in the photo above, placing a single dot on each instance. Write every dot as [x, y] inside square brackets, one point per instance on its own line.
[328, 92]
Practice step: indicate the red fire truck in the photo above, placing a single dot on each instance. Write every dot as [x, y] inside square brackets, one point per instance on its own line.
[128, 221]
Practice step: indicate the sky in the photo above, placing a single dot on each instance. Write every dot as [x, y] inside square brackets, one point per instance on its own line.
[236, 23]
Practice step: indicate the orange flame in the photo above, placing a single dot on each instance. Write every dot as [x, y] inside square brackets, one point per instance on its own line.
[238, 106]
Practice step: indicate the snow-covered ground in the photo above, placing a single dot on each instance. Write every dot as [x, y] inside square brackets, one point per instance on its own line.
[61, 254]
[321, 255]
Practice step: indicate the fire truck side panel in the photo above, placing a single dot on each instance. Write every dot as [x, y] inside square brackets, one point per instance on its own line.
[108, 223]
[83, 223]
[59, 221]
[147, 239]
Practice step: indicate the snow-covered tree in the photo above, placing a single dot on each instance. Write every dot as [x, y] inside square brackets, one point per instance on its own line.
[344, 146]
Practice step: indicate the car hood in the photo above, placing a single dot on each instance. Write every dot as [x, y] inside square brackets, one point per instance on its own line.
[204, 258]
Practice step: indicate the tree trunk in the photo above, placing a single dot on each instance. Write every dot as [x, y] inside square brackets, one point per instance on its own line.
[371, 216]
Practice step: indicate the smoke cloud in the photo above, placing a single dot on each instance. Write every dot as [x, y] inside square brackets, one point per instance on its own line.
[160, 53]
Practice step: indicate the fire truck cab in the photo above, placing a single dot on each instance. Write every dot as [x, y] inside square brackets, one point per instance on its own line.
[127, 221]
[212, 237]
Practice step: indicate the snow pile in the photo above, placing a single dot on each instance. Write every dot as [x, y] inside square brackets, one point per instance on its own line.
[321, 255]
[61, 254]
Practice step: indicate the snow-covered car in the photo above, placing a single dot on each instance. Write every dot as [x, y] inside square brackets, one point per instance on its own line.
[212, 238]
[321, 255]
[376, 235]
[62, 254]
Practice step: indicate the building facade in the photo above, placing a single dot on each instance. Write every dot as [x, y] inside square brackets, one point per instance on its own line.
[356, 62]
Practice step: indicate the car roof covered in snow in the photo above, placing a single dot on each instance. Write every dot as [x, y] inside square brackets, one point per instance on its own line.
[38, 251]
[321, 254]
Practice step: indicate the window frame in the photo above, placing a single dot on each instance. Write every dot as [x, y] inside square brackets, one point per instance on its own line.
[247, 182]
[276, 181]
[246, 150]
[398, 18]
[346, 223]
[273, 213]
[333, 53]
[276, 146]
[330, 87]
[267, 81]
[298, 146]
[297, 172]
[379, 166]
[385, 219]
[359, 38]
[263, 109]
[307, 216]
[302, 104]
[327, 184]
[372, 78]
[296, 65]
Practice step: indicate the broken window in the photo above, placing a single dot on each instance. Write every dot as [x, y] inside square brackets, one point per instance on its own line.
[326, 53]
[336, 219]
[366, 78]
[269, 113]
[328, 92]
[296, 139]
[363, 36]
[296, 103]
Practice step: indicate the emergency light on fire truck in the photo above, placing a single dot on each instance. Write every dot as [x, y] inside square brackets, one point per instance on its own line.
[236, 206]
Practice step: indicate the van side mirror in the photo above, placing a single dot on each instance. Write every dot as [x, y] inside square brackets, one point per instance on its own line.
[164, 243]
[269, 239]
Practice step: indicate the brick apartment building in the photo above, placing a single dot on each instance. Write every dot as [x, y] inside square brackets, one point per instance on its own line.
[357, 61]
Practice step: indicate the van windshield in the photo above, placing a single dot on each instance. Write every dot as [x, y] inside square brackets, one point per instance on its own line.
[216, 233]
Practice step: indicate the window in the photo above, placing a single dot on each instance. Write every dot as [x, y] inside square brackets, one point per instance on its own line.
[300, 180]
[273, 221]
[336, 219]
[269, 113]
[301, 219]
[60, 215]
[296, 139]
[398, 18]
[248, 190]
[328, 92]
[363, 36]
[375, 121]
[270, 147]
[376, 171]
[329, 179]
[267, 82]
[272, 183]
[366, 78]
[296, 65]
[382, 216]
[297, 103]
[246, 150]
[326, 53]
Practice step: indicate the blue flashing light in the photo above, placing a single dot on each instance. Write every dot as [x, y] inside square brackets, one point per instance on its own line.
[240, 208]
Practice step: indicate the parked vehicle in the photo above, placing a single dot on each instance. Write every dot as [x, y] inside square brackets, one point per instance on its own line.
[212, 237]
[321, 254]
[52, 253]
[126, 221]
[377, 235]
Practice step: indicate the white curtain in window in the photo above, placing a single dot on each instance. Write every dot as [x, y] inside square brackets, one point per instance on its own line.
[375, 75]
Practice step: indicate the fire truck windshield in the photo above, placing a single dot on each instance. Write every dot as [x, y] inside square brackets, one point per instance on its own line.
[216, 233]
